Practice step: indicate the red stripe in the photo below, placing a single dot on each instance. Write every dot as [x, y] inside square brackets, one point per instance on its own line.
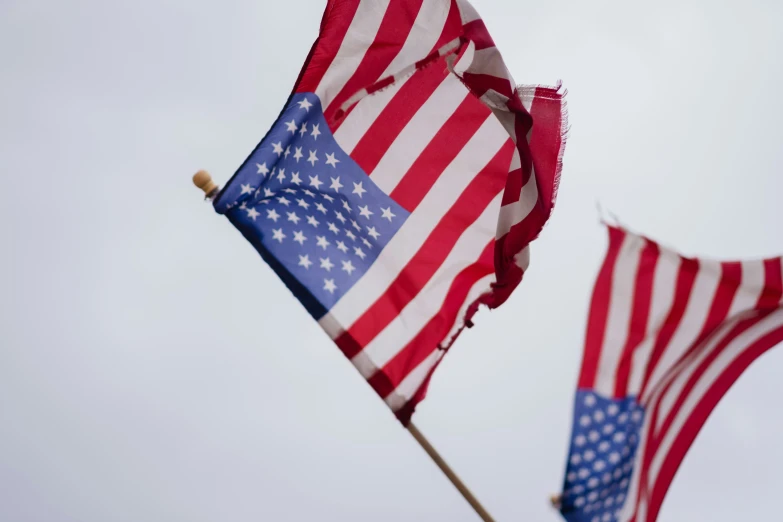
[441, 151]
[478, 33]
[732, 334]
[468, 207]
[702, 412]
[396, 115]
[773, 285]
[479, 84]
[686, 277]
[394, 30]
[386, 380]
[546, 140]
[599, 310]
[336, 20]
[640, 315]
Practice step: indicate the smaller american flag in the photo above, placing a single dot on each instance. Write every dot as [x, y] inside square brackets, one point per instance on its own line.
[667, 336]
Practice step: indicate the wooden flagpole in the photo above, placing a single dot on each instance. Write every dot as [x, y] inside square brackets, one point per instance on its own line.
[433, 453]
[203, 180]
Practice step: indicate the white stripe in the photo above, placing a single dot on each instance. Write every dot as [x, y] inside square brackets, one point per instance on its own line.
[423, 36]
[721, 363]
[514, 212]
[619, 317]
[750, 289]
[476, 154]
[361, 118]
[427, 303]
[489, 61]
[752, 294]
[690, 326]
[664, 282]
[412, 382]
[480, 287]
[418, 133]
[358, 39]
[674, 382]
[467, 11]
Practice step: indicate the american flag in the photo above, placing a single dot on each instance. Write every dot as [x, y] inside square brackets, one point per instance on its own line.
[667, 336]
[401, 184]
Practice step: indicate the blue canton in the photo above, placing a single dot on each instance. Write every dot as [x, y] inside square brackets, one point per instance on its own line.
[601, 458]
[309, 209]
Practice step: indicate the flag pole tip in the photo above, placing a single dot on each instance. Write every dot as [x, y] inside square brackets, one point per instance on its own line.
[203, 180]
[555, 501]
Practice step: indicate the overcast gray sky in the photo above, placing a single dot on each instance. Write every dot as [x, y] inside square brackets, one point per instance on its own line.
[153, 368]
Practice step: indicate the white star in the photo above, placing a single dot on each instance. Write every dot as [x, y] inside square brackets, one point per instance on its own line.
[336, 185]
[262, 168]
[289, 190]
[287, 151]
[278, 148]
[313, 158]
[373, 233]
[243, 206]
[298, 154]
[326, 264]
[333, 228]
[247, 189]
[580, 440]
[320, 208]
[590, 400]
[614, 457]
[268, 193]
[612, 410]
[341, 247]
[350, 234]
[348, 266]
[331, 160]
[252, 213]
[273, 215]
[292, 126]
[281, 175]
[293, 217]
[366, 243]
[358, 189]
[295, 179]
[365, 211]
[278, 234]
[322, 242]
[356, 226]
[305, 261]
[358, 252]
[346, 206]
[340, 216]
[303, 130]
[283, 200]
[305, 104]
[299, 237]
[302, 203]
[328, 198]
[308, 193]
[329, 285]
[315, 182]
[315, 132]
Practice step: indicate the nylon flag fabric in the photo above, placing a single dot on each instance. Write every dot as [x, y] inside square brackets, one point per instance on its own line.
[401, 185]
[667, 336]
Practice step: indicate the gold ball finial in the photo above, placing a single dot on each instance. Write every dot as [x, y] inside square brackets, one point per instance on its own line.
[203, 180]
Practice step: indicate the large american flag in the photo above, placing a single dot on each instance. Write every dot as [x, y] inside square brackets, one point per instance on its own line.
[401, 185]
[667, 336]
